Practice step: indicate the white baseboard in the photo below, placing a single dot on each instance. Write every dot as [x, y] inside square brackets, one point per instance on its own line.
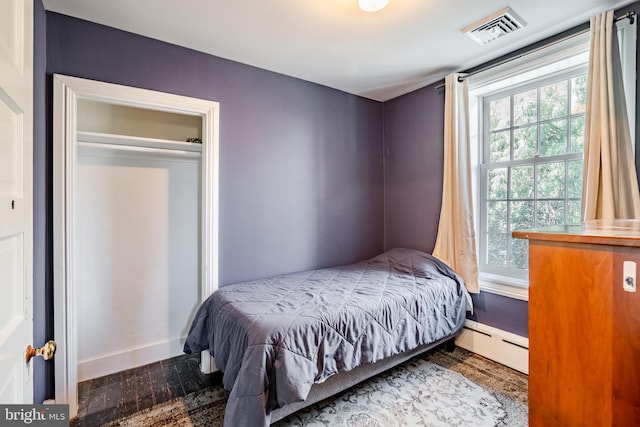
[501, 346]
[129, 358]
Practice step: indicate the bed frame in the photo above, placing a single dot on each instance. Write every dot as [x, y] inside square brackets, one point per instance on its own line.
[248, 401]
[344, 380]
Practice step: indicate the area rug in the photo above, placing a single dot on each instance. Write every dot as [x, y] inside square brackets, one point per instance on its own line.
[438, 389]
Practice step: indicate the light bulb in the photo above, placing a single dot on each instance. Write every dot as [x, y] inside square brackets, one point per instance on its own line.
[372, 5]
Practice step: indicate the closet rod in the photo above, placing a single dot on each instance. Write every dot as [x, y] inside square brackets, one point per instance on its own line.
[629, 15]
[165, 152]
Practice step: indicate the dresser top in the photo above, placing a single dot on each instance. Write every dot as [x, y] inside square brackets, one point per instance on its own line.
[617, 232]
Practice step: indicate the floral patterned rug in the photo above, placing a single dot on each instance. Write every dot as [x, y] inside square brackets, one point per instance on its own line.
[437, 389]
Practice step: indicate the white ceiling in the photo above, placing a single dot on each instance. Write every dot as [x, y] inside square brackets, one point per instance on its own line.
[380, 55]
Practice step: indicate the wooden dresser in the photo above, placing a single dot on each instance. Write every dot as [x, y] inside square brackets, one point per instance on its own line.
[584, 327]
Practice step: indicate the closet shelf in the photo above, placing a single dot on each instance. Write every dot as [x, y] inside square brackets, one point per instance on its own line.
[137, 141]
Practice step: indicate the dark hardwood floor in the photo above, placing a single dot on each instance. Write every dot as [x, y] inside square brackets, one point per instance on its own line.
[114, 396]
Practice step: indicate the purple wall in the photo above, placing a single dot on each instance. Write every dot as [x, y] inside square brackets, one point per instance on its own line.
[413, 164]
[301, 182]
[302, 168]
[42, 284]
[501, 312]
[301, 177]
[413, 159]
[413, 140]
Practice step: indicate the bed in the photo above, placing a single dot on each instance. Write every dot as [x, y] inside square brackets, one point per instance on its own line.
[286, 342]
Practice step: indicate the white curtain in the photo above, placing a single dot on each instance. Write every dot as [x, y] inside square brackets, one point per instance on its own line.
[610, 187]
[456, 241]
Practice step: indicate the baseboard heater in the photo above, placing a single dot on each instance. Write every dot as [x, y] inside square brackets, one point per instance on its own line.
[495, 344]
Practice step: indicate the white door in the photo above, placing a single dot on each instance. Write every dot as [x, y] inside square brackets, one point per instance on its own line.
[16, 199]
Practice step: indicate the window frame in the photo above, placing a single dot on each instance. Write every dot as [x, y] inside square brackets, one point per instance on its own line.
[485, 165]
[556, 56]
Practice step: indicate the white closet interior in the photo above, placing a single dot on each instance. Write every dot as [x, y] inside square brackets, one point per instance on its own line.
[138, 216]
[135, 235]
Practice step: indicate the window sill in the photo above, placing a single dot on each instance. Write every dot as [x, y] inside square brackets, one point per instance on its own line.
[504, 286]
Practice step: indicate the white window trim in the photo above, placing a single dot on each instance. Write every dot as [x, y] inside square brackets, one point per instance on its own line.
[627, 34]
[504, 286]
[553, 58]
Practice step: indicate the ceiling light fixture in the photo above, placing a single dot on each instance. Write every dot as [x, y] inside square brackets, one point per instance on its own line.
[372, 5]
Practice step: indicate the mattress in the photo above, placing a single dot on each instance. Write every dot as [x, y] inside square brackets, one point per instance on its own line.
[274, 338]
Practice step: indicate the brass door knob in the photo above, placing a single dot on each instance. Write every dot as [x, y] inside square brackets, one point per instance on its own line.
[46, 351]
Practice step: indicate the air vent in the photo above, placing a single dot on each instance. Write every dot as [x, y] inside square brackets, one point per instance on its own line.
[497, 25]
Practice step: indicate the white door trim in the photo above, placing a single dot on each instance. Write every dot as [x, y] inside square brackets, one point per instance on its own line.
[67, 91]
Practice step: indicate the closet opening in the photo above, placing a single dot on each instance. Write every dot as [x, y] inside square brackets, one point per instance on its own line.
[136, 226]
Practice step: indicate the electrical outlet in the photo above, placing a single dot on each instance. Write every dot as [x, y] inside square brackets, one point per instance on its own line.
[629, 276]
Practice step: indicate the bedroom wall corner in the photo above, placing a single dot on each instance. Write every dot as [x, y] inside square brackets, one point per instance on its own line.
[413, 167]
[414, 152]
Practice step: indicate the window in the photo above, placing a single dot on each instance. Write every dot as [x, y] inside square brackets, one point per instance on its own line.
[529, 136]
[531, 168]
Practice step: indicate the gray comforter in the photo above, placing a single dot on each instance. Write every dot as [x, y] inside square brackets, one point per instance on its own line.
[274, 338]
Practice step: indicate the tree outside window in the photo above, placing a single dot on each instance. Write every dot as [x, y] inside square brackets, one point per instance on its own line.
[531, 167]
